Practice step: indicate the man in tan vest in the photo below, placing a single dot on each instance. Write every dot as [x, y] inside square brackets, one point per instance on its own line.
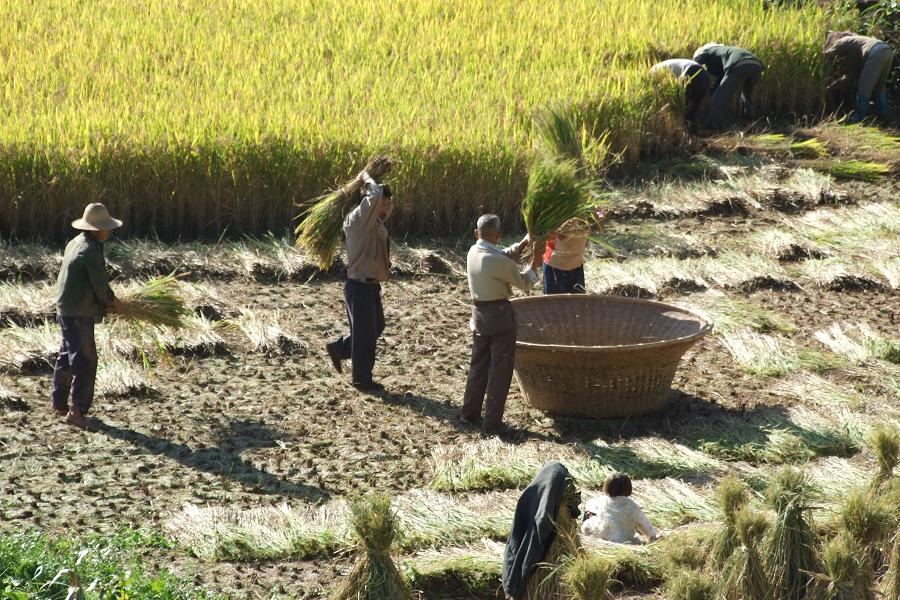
[492, 273]
[368, 266]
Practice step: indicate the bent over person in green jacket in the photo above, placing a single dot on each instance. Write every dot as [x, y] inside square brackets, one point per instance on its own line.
[83, 295]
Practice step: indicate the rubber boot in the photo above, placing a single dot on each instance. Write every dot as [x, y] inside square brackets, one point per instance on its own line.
[862, 110]
[881, 104]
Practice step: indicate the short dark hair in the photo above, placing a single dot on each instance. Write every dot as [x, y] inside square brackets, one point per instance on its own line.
[617, 484]
[386, 191]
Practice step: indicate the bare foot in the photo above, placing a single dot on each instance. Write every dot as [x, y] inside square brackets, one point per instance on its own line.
[77, 419]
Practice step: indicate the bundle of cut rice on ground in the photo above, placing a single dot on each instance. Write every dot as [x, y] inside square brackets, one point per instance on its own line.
[157, 303]
[320, 230]
[374, 576]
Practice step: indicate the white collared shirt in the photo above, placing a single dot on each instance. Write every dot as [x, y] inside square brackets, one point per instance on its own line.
[493, 271]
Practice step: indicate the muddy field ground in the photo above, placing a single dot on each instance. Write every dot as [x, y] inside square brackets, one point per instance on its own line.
[244, 413]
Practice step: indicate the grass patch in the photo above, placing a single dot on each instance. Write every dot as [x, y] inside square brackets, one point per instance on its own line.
[734, 314]
[35, 565]
[769, 356]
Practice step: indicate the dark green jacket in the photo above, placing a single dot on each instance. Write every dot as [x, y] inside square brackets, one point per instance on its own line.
[82, 288]
[718, 59]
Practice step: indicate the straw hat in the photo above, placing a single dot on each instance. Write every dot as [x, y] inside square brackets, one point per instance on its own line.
[96, 218]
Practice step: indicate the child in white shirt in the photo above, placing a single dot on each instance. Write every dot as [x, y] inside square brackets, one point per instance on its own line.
[615, 517]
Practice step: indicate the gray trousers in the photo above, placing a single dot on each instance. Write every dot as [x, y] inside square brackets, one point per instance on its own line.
[740, 79]
[76, 366]
[874, 74]
[493, 359]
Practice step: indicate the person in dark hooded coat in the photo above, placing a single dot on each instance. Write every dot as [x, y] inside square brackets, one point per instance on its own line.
[533, 529]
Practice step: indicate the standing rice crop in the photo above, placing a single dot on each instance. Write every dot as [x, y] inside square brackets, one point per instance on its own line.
[320, 229]
[373, 576]
[157, 303]
[790, 544]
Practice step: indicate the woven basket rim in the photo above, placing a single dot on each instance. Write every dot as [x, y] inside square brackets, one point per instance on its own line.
[705, 329]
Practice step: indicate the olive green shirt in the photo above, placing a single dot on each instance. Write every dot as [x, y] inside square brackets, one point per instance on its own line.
[82, 288]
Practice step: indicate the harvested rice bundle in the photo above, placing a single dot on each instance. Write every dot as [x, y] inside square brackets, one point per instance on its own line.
[587, 577]
[857, 170]
[847, 575]
[558, 134]
[157, 303]
[890, 585]
[320, 230]
[691, 585]
[547, 582]
[732, 496]
[885, 443]
[374, 575]
[790, 545]
[556, 193]
[867, 520]
[745, 578]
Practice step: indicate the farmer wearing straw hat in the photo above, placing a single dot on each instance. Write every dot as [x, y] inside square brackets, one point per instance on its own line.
[736, 71]
[863, 61]
[368, 266]
[83, 295]
[492, 273]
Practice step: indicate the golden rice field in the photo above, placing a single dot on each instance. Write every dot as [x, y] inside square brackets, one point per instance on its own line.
[192, 118]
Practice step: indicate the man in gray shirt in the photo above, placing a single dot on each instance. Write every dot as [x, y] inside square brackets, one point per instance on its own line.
[83, 296]
[492, 273]
[368, 266]
[863, 61]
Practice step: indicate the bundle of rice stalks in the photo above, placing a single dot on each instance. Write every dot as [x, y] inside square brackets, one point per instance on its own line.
[558, 134]
[547, 581]
[813, 389]
[866, 520]
[476, 569]
[266, 334]
[790, 544]
[120, 378]
[587, 577]
[779, 143]
[320, 229]
[374, 576]
[847, 574]
[691, 585]
[885, 443]
[732, 497]
[890, 585]
[745, 577]
[156, 303]
[29, 349]
[856, 170]
[556, 193]
[670, 502]
[859, 342]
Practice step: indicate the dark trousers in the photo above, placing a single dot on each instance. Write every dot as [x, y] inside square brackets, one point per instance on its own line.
[493, 359]
[557, 281]
[695, 90]
[366, 316]
[737, 80]
[76, 366]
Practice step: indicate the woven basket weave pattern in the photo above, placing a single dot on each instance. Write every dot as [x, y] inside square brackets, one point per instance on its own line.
[600, 356]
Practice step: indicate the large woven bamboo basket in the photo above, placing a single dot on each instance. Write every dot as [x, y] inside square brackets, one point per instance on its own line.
[601, 356]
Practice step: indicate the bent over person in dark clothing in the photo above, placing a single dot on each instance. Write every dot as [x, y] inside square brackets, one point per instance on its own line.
[83, 296]
[368, 266]
[863, 62]
[693, 76]
[736, 72]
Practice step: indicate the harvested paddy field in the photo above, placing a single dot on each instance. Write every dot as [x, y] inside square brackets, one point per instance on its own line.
[235, 443]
